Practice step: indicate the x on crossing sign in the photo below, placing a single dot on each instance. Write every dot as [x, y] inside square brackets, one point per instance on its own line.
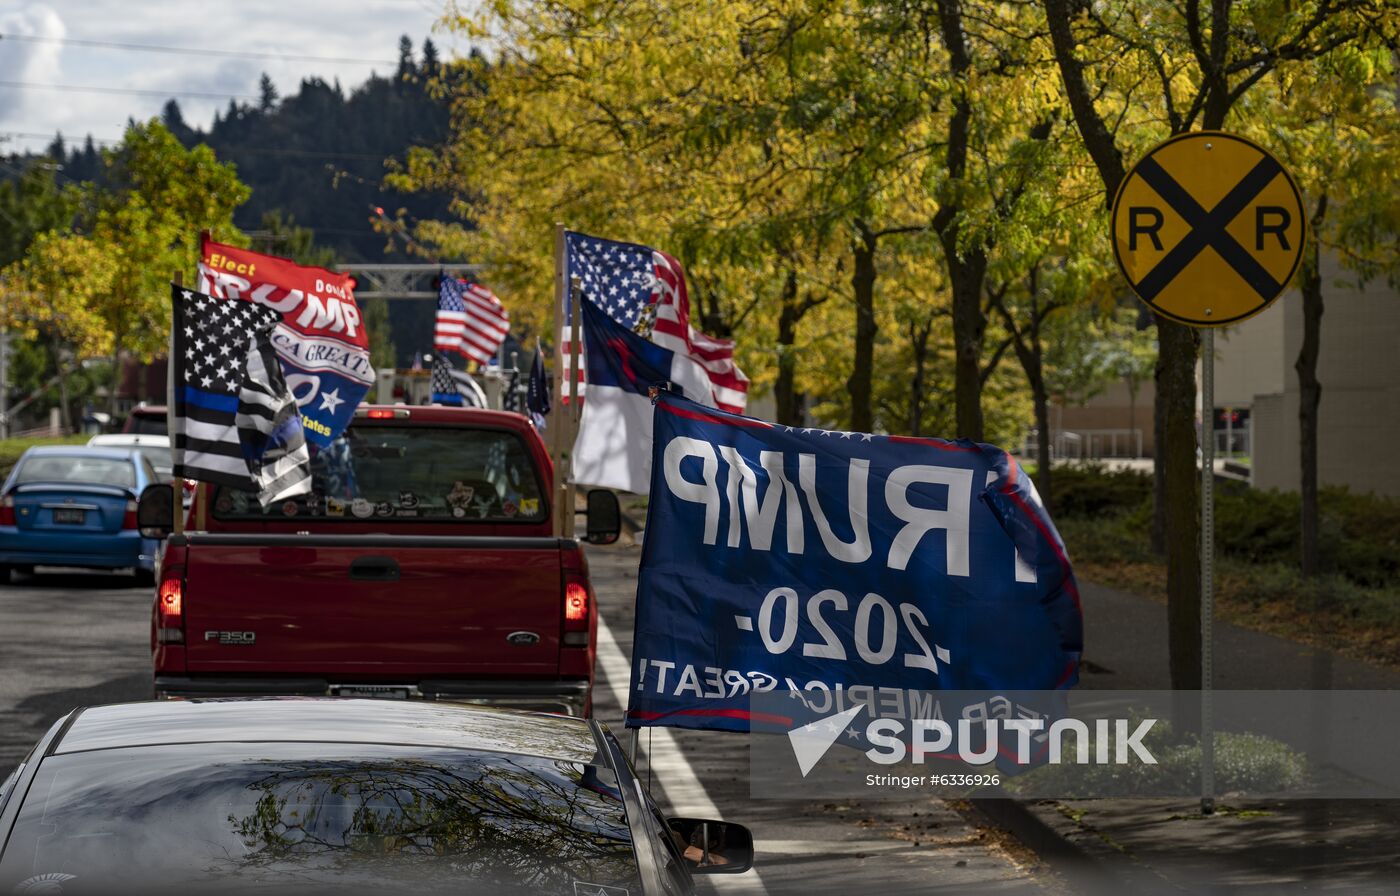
[1208, 228]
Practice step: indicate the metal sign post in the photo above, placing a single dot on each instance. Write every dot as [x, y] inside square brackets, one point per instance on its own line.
[1208, 229]
[177, 488]
[1207, 570]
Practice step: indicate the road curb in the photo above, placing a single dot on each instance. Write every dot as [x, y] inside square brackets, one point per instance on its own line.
[1074, 851]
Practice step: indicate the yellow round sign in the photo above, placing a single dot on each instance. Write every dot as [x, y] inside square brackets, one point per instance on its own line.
[1208, 229]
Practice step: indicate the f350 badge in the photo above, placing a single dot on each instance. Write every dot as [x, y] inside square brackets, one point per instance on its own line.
[231, 639]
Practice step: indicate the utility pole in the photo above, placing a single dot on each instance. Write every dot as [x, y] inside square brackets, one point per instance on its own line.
[4, 384]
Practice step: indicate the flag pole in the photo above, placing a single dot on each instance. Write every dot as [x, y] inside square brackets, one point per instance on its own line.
[177, 488]
[573, 415]
[556, 414]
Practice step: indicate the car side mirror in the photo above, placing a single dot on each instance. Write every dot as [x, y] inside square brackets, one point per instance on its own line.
[604, 517]
[155, 512]
[713, 847]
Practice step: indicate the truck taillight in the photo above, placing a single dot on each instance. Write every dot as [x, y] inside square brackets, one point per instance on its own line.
[7, 511]
[170, 600]
[129, 518]
[576, 607]
[575, 603]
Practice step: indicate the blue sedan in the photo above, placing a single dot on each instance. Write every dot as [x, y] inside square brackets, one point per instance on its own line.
[75, 506]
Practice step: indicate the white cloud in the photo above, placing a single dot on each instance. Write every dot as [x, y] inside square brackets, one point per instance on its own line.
[363, 29]
[27, 61]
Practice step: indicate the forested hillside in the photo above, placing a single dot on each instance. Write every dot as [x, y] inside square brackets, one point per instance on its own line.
[316, 159]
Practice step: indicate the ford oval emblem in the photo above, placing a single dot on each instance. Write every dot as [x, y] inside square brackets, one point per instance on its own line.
[523, 639]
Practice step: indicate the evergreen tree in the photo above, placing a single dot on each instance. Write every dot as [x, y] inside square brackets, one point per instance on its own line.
[405, 71]
[267, 94]
[431, 65]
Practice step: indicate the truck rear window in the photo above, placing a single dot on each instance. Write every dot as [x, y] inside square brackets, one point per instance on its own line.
[453, 474]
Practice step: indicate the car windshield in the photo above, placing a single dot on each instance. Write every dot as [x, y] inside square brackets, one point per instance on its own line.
[317, 817]
[77, 468]
[459, 474]
[159, 458]
[148, 425]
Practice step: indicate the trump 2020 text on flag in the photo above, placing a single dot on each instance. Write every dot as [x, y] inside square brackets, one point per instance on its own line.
[320, 338]
[788, 559]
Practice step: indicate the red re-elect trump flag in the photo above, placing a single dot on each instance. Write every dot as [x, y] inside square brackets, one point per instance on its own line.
[320, 339]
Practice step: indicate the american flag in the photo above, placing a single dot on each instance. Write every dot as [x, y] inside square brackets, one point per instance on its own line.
[644, 289]
[470, 320]
[236, 420]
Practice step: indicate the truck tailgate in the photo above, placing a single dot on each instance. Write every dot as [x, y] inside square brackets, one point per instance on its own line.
[372, 607]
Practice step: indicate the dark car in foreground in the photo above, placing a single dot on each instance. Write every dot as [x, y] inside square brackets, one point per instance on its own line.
[320, 795]
[76, 506]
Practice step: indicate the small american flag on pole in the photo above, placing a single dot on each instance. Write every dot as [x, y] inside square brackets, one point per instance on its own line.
[644, 290]
[470, 320]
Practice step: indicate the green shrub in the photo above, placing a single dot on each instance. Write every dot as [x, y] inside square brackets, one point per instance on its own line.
[1248, 763]
[1091, 490]
[1105, 516]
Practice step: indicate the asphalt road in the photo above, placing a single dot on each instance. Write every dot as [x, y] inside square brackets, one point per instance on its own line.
[70, 639]
[808, 844]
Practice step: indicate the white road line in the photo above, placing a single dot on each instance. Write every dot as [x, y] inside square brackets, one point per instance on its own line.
[673, 772]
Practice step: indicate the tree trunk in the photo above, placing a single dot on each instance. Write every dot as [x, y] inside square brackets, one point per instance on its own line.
[1309, 400]
[861, 380]
[969, 325]
[1042, 433]
[1176, 398]
[116, 380]
[64, 411]
[967, 266]
[918, 339]
[789, 410]
[1159, 450]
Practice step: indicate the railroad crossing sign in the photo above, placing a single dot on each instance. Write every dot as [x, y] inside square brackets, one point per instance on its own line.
[1208, 228]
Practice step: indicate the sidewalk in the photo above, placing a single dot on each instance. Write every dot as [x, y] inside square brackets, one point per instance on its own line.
[1249, 846]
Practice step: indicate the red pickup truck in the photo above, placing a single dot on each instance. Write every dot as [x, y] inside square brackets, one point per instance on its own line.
[421, 565]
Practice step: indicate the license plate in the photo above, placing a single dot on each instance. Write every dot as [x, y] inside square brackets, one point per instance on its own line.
[68, 515]
[385, 692]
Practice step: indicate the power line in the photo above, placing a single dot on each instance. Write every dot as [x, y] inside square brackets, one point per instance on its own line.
[190, 51]
[129, 91]
[227, 151]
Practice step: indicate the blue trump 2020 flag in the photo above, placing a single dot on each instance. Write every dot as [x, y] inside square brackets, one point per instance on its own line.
[613, 447]
[804, 560]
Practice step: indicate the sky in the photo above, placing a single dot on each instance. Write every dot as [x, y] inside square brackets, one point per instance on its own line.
[348, 29]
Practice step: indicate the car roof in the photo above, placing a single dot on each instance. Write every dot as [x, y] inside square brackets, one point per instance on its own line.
[434, 413]
[129, 439]
[330, 720]
[123, 453]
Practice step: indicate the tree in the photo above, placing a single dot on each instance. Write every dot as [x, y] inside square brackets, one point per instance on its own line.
[1333, 123]
[267, 94]
[31, 204]
[52, 293]
[1201, 63]
[160, 196]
